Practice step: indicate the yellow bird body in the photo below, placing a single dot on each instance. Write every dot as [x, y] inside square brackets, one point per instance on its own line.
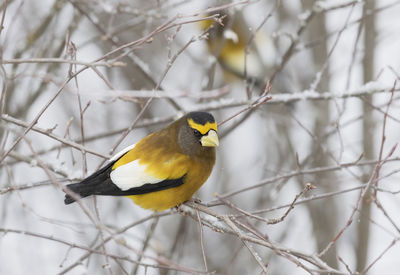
[163, 169]
[166, 161]
[165, 199]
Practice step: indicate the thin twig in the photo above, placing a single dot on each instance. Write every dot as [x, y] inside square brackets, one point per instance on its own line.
[380, 256]
[53, 136]
[203, 251]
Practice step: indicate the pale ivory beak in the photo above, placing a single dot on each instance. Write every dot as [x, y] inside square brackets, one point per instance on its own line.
[210, 140]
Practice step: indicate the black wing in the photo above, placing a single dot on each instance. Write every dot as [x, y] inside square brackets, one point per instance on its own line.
[99, 183]
[152, 187]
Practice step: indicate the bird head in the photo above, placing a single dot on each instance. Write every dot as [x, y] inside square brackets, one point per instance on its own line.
[204, 128]
[198, 132]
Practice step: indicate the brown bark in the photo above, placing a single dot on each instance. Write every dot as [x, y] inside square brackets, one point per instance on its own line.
[363, 229]
[323, 213]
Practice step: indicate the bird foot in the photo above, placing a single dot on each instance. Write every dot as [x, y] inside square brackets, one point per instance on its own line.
[195, 200]
[179, 209]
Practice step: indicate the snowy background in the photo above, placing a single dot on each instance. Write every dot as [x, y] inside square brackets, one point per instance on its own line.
[80, 80]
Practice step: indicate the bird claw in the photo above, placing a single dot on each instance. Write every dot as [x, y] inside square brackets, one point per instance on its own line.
[195, 200]
[179, 209]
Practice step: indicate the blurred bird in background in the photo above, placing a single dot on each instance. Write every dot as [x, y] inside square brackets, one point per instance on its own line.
[241, 53]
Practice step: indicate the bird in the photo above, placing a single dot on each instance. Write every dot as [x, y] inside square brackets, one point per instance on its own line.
[162, 170]
[228, 40]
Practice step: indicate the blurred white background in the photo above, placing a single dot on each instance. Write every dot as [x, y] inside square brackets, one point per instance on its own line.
[99, 75]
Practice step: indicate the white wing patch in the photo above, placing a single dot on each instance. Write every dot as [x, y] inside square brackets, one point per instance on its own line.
[122, 152]
[132, 175]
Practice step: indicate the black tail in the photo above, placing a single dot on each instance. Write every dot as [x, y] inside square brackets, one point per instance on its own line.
[97, 183]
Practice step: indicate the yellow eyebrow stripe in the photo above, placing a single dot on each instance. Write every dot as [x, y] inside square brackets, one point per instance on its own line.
[203, 129]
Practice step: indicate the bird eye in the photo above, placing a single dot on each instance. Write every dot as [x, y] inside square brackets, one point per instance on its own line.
[197, 133]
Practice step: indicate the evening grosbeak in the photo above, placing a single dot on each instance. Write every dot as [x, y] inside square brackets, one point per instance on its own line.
[227, 41]
[162, 170]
